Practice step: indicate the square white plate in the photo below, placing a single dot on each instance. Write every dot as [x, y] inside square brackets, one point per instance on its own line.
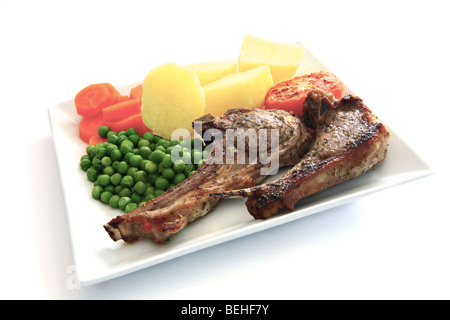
[98, 258]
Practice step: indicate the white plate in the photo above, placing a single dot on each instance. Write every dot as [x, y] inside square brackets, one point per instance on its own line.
[98, 258]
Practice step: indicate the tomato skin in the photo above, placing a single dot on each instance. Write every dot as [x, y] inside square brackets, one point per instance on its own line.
[290, 95]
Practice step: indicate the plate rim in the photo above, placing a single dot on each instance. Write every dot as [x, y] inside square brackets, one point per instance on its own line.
[86, 279]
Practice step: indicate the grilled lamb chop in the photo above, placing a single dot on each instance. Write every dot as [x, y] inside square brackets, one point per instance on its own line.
[164, 216]
[349, 142]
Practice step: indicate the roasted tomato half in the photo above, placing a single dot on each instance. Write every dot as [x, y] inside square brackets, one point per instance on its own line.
[290, 95]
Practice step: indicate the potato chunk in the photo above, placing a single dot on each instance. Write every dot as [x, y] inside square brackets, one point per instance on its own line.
[172, 98]
[283, 59]
[211, 71]
[239, 90]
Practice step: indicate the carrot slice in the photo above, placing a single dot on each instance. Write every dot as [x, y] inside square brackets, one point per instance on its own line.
[92, 99]
[89, 127]
[134, 121]
[122, 110]
[96, 139]
[136, 92]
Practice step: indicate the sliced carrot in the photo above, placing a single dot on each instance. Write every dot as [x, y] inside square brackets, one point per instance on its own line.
[89, 127]
[122, 110]
[136, 92]
[119, 98]
[92, 99]
[96, 139]
[134, 121]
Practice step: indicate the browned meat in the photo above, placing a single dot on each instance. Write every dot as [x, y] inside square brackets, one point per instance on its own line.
[169, 213]
[349, 142]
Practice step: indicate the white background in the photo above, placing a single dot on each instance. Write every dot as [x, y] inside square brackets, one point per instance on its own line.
[393, 244]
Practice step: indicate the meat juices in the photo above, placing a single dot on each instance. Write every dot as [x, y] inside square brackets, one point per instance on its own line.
[164, 216]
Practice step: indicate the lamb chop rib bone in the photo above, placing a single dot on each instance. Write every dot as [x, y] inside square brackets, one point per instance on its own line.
[349, 141]
[164, 216]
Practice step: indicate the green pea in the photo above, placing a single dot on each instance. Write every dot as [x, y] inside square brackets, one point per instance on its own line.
[132, 131]
[140, 187]
[110, 133]
[117, 189]
[122, 167]
[161, 148]
[157, 156]
[135, 197]
[179, 166]
[103, 131]
[126, 146]
[91, 174]
[134, 138]
[130, 207]
[116, 155]
[131, 171]
[140, 176]
[189, 167]
[152, 177]
[110, 147]
[165, 143]
[159, 192]
[121, 139]
[161, 183]
[123, 201]
[179, 177]
[109, 188]
[85, 164]
[149, 190]
[143, 143]
[106, 161]
[108, 170]
[160, 167]
[96, 192]
[145, 151]
[169, 150]
[101, 152]
[97, 164]
[105, 196]
[127, 181]
[128, 156]
[167, 161]
[151, 167]
[135, 160]
[103, 180]
[125, 192]
[149, 137]
[168, 173]
[143, 164]
[113, 138]
[89, 148]
[114, 201]
[149, 196]
[116, 178]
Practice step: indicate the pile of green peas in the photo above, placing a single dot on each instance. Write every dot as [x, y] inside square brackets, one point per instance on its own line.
[129, 170]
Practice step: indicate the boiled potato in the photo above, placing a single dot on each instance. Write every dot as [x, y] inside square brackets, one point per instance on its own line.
[172, 97]
[211, 71]
[238, 90]
[283, 59]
